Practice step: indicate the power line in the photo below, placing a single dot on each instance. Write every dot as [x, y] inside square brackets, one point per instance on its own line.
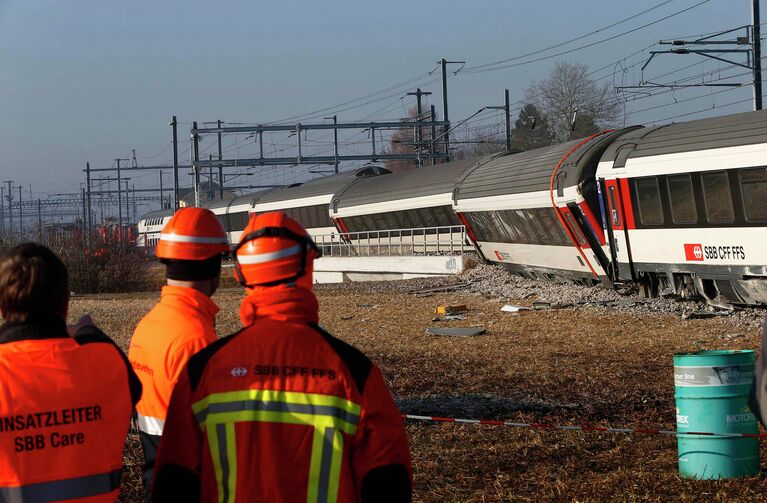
[560, 44]
[592, 44]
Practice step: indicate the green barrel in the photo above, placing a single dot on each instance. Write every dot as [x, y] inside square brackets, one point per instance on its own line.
[711, 392]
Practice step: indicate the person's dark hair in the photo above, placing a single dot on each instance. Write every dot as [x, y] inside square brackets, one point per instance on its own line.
[193, 270]
[34, 284]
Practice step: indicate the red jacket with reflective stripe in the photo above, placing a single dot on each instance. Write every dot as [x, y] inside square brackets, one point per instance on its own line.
[282, 411]
[65, 408]
[180, 325]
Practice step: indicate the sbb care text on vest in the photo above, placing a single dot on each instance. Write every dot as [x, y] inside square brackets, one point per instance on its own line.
[33, 429]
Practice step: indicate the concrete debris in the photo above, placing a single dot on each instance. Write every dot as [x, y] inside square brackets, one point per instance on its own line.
[456, 332]
[509, 308]
[450, 317]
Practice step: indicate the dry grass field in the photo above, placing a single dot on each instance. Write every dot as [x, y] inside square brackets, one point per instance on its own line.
[571, 366]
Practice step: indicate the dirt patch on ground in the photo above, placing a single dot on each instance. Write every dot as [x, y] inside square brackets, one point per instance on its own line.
[587, 364]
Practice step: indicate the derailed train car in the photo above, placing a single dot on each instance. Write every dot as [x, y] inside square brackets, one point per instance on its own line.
[679, 208]
[687, 208]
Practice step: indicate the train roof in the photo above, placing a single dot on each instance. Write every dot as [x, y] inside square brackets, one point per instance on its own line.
[324, 186]
[249, 199]
[531, 171]
[746, 128]
[155, 214]
[417, 182]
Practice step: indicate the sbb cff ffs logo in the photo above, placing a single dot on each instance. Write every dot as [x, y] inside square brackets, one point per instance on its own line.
[693, 252]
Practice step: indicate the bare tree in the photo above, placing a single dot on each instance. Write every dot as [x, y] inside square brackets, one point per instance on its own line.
[568, 93]
[403, 141]
[480, 143]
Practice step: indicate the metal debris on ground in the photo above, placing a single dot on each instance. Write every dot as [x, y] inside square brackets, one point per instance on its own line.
[450, 317]
[702, 315]
[367, 305]
[510, 308]
[349, 317]
[456, 332]
[448, 310]
[541, 306]
[442, 288]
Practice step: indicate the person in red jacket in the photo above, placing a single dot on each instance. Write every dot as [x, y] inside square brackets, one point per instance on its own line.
[282, 410]
[66, 393]
[183, 322]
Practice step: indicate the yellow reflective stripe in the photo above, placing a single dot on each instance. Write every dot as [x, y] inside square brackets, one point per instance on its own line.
[265, 395]
[215, 456]
[328, 415]
[231, 454]
[314, 466]
[335, 466]
[263, 416]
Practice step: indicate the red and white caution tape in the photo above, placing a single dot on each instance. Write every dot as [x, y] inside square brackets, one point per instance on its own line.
[584, 427]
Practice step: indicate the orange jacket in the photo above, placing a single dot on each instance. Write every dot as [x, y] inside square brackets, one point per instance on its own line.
[180, 325]
[65, 408]
[282, 411]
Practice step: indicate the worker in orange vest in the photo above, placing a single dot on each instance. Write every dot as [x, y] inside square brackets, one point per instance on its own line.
[191, 246]
[282, 410]
[66, 397]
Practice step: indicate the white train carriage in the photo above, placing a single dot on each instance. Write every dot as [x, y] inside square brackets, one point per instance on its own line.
[688, 207]
[536, 212]
[308, 203]
[149, 227]
[234, 213]
[411, 208]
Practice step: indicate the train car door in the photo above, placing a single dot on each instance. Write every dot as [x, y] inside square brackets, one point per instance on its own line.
[620, 219]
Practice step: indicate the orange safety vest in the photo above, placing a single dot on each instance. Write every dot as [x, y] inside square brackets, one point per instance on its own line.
[180, 325]
[65, 409]
[282, 411]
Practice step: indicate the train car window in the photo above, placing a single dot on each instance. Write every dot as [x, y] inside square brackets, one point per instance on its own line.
[506, 219]
[577, 230]
[753, 187]
[616, 216]
[499, 228]
[648, 197]
[718, 198]
[525, 233]
[682, 197]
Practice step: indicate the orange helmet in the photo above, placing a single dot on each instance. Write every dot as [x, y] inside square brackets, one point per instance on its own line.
[192, 234]
[274, 249]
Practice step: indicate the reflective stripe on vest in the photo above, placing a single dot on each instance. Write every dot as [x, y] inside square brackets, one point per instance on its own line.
[150, 425]
[329, 416]
[260, 258]
[55, 490]
[178, 238]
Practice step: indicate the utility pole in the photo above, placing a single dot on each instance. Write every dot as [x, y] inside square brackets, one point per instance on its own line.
[85, 209]
[443, 63]
[196, 164]
[756, 41]
[418, 133]
[220, 168]
[162, 203]
[174, 124]
[335, 143]
[119, 197]
[39, 220]
[21, 215]
[507, 111]
[88, 188]
[9, 197]
[433, 135]
[2, 210]
[210, 177]
[127, 203]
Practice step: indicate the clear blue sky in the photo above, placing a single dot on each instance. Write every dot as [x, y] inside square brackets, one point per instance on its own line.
[89, 80]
